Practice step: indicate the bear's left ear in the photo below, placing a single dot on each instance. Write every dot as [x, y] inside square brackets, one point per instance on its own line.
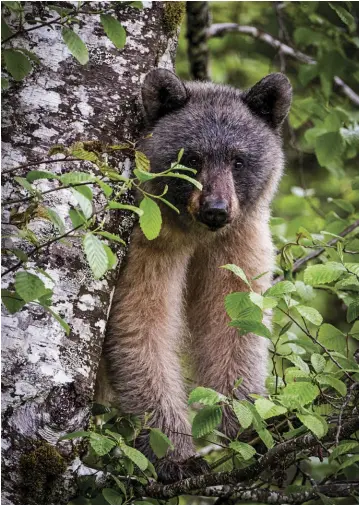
[162, 92]
[270, 99]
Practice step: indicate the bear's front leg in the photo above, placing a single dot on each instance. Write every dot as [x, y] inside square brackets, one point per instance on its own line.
[144, 328]
[220, 355]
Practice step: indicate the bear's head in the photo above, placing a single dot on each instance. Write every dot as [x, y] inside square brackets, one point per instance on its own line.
[232, 138]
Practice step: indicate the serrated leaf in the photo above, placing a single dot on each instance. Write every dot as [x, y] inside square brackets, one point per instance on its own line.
[111, 256]
[160, 443]
[75, 45]
[96, 255]
[329, 148]
[100, 444]
[318, 362]
[56, 220]
[246, 451]
[323, 274]
[349, 462]
[151, 219]
[84, 202]
[76, 177]
[314, 423]
[4, 83]
[124, 206]
[344, 15]
[17, 64]
[353, 311]
[114, 30]
[12, 301]
[237, 271]
[331, 337]
[335, 383]
[111, 496]
[187, 178]
[25, 184]
[142, 162]
[143, 176]
[299, 363]
[106, 188]
[203, 395]
[267, 409]
[135, 456]
[243, 414]
[111, 236]
[247, 326]
[310, 314]
[6, 32]
[305, 292]
[29, 286]
[266, 438]
[77, 218]
[30, 54]
[75, 434]
[240, 306]
[206, 420]
[280, 289]
[297, 394]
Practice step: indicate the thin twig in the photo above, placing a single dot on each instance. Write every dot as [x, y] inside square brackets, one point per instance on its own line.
[35, 163]
[342, 408]
[220, 29]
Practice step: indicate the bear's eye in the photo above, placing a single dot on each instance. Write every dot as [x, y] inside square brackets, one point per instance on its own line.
[238, 163]
[192, 161]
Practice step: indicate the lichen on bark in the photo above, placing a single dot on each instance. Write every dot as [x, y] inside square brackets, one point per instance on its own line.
[48, 378]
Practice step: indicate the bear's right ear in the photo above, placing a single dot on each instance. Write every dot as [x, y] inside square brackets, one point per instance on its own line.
[162, 92]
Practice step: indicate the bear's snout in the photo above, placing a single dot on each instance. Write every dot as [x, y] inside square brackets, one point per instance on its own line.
[214, 213]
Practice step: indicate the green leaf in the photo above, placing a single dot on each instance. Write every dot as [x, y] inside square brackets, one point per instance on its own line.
[243, 414]
[30, 55]
[195, 183]
[111, 236]
[6, 32]
[310, 314]
[59, 319]
[142, 162]
[111, 496]
[314, 423]
[237, 271]
[329, 148]
[106, 188]
[29, 286]
[84, 202]
[331, 337]
[344, 15]
[76, 178]
[135, 456]
[337, 384]
[34, 175]
[123, 206]
[159, 442]
[267, 409]
[349, 462]
[114, 30]
[77, 218]
[353, 311]
[111, 256]
[75, 45]
[25, 184]
[305, 292]
[143, 176]
[203, 395]
[4, 83]
[323, 274]
[246, 451]
[344, 205]
[100, 444]
[56, 220]
[280, 288]
[297, 394]
[343, 448]
[240, 306]
[12, 301]
[248, 326]
[299, 363]
[266, 438]
[318, 362]
[151, 219]
[96, 255]
[206, 420]
[17, 64]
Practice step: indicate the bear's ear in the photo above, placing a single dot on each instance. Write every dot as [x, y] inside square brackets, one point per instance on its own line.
[162, 92]
[270, 99]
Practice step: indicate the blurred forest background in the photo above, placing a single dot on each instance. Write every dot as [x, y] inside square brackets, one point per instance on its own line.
[315, 192]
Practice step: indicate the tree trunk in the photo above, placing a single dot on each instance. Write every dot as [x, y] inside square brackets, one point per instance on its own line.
[49, 377]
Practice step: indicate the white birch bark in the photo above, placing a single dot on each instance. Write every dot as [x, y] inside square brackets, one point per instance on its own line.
[48, 377]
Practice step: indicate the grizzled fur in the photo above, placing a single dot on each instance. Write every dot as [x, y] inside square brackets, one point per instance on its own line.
[171, 290]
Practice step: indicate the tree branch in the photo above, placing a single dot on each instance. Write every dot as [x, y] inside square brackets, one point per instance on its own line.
[314, 254]
[270, 459]
[220, 29]
[197, 24]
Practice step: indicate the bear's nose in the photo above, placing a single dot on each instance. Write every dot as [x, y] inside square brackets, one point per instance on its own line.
[214, 213]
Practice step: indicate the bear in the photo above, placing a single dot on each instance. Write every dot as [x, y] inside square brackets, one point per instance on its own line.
[171, 290]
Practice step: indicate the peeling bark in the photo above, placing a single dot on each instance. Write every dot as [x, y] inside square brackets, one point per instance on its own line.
[48, 377]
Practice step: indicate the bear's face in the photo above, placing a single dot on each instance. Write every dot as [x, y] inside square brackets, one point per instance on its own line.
[230, 137]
